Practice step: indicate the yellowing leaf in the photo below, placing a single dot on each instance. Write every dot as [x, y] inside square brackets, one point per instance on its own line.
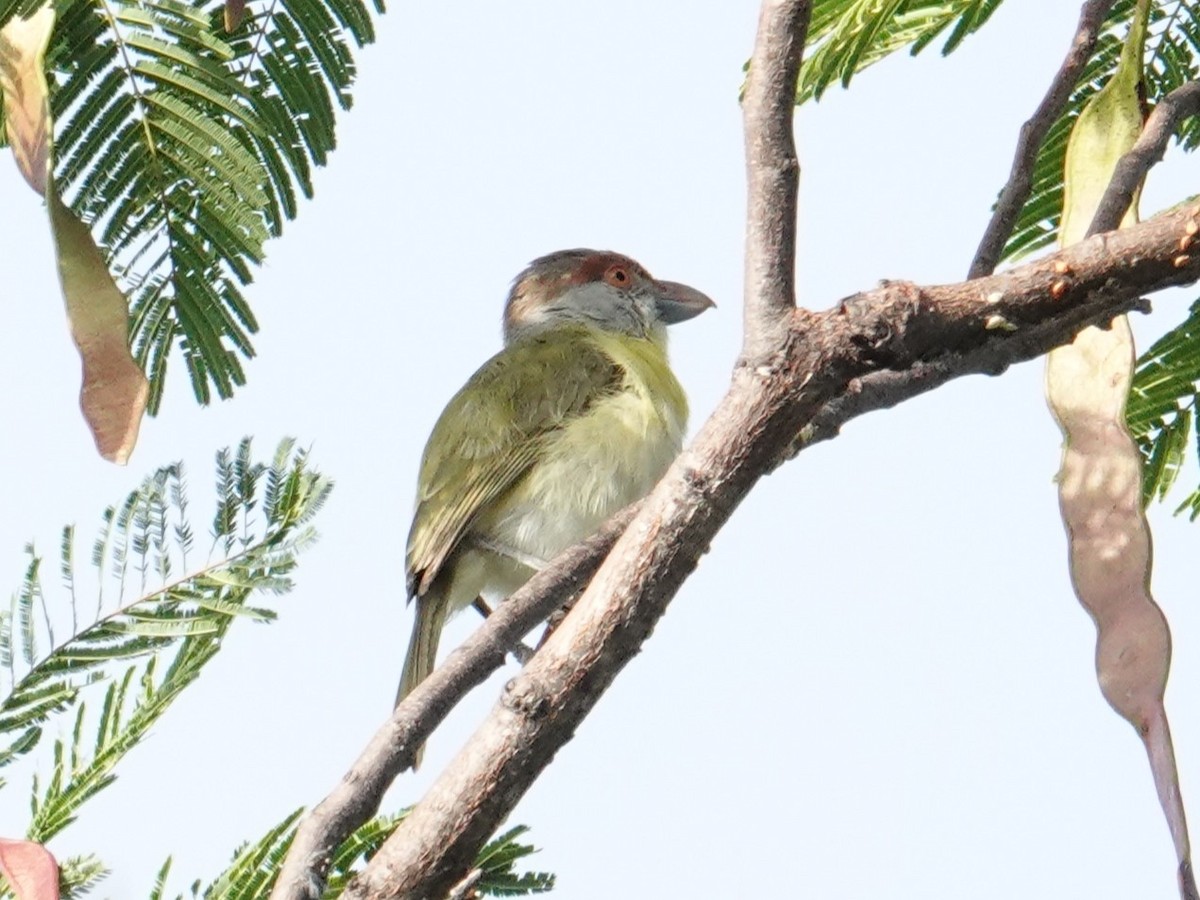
[1100, 492]
[235, 10]
[1105, 131]
[23, 81]
[30, 870]
[114, 392]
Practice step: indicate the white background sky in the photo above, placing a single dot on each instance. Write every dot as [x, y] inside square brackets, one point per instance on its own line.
[878, 683]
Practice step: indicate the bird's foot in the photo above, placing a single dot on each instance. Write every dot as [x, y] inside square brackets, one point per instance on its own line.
[522, 652]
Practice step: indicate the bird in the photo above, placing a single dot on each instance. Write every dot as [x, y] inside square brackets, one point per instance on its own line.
[577, 416]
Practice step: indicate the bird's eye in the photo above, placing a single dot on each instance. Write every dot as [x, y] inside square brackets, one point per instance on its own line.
[617, 276]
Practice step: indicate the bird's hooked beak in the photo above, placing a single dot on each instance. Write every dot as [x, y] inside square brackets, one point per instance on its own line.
[675, 302]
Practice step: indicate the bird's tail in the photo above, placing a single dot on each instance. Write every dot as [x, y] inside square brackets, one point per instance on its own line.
[422, 648]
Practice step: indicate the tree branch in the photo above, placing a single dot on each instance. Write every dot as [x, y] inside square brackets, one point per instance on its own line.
[391, 750]
[1131, 170]
[917, 336]
[772, 174]
[888, 388]
[1111, 278]
[1033, 132]
[802, 375]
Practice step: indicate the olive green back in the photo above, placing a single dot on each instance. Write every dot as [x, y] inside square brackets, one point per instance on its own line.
[491, 433]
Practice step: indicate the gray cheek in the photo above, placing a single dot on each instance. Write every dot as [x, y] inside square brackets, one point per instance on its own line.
[607, 313]
[597, 306]
[622, 317]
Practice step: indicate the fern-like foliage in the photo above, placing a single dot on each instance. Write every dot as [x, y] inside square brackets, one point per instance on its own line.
[255, 866]
[496, 862]
[1174, 49]
[186, 148]
[1162, 409]
[158, 619]
[23, 8]
[847, 36]
[77, 875]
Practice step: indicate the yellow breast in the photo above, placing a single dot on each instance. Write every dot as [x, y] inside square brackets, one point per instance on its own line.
[605, 459]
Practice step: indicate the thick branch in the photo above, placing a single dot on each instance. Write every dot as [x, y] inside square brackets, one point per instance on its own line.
[772, 173]
[1033, 133]
[357, 797]
[974, 327]
[888, 388]
[1130, 173]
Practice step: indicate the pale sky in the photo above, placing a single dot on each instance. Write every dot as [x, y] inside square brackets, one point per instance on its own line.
[877, 684]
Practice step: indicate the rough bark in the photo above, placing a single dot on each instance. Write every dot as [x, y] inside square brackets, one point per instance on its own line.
[391, 750]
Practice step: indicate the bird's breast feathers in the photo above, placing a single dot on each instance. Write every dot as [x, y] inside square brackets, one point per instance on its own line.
[604, 459]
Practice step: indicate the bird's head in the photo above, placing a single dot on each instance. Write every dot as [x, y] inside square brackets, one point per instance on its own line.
[597, 288]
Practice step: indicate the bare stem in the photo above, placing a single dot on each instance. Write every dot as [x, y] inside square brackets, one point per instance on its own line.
[772, 174]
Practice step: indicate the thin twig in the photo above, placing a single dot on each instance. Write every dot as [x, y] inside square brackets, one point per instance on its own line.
[465, 889]
[1033, 132]
[1131, 170]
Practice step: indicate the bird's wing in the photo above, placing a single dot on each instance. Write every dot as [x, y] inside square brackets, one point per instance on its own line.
[490, 434]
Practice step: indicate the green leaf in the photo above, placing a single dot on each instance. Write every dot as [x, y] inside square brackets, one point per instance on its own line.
[847, 36]
[497, 861]
[185, 149]
[1160, 413]
[255, 865]
[144, 650]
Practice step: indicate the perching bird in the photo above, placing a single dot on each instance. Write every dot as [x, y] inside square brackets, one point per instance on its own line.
[578, 416]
